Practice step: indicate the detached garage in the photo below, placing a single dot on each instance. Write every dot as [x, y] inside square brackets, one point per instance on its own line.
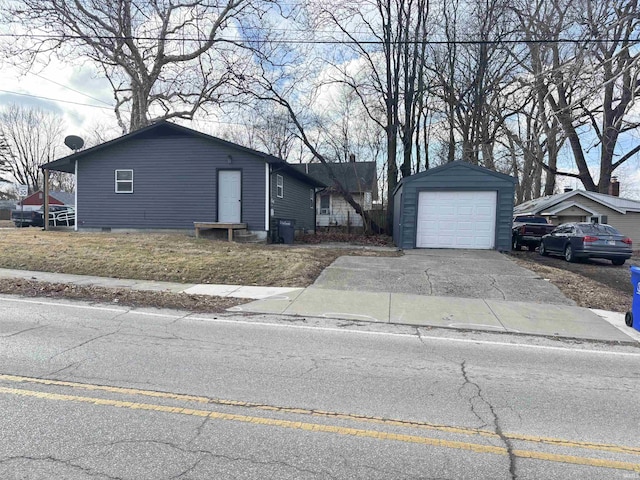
[457, 205]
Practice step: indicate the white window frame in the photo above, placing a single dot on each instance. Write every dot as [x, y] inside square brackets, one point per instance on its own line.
[120, 182]
[279, 186]
[312, 196]
[325, 211]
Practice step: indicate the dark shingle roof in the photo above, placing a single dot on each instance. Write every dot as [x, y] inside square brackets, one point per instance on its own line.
[167, 129]
[356, 177]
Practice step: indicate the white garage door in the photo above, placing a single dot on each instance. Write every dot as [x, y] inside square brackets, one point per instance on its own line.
[456, 220]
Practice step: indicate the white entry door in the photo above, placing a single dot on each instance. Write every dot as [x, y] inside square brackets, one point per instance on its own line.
[456, 220]
[229, 196]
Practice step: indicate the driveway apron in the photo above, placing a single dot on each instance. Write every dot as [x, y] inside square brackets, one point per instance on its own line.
[483, 274]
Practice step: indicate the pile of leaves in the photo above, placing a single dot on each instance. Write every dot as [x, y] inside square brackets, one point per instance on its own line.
[119, 296]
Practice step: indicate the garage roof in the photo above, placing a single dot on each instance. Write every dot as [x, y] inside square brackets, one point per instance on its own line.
[456, 164]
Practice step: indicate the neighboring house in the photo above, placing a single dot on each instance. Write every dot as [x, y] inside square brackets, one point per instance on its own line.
[456, 205]
[166, 176]
[581, 206]
[360, 179]
[36, 200]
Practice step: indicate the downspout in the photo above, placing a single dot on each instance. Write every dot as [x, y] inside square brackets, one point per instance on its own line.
[75, 193]
[45, 213]
[267, 199]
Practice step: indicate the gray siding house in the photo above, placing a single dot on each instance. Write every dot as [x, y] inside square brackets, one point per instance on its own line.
[457, 205]
[166, 176]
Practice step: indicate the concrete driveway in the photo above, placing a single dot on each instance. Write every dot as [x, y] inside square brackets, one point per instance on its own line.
[463, 289]
[484, 274]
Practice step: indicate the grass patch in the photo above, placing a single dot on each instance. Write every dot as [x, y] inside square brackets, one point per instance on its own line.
[166, 257]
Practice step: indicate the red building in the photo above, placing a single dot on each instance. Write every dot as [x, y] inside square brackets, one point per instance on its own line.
[55, 198]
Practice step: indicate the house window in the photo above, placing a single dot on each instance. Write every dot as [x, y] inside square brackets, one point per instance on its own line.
[324, 205]
[279, 186]
[311, 196]
[124, 181]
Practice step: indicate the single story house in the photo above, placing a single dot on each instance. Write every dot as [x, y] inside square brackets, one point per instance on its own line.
[581, 206]
[36, 200]
[360, 179]
[166, 176]
[456, 205]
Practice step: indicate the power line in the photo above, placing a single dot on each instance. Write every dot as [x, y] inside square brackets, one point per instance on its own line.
[70, 88]
[224, 122]
[55, 99]
[632, 41]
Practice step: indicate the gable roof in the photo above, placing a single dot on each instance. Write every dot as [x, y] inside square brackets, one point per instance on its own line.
[65, 198]
[168, 129]
[355, 177]
[454, 165]
[544, 204]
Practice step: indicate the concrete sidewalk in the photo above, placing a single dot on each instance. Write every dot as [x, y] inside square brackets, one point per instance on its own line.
[449, 312]
[235, 291]
[382, 307]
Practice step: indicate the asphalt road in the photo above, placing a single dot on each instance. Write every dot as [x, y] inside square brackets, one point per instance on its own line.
[90, 391]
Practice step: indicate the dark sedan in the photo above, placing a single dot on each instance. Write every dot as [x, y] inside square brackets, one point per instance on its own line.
[587, 240]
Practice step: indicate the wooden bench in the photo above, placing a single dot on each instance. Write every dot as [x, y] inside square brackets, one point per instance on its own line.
[230, 227]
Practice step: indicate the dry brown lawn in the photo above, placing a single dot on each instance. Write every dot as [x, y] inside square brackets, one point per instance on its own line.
[591, 284]
[166, 257]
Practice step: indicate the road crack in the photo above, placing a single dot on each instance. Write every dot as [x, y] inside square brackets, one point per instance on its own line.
[83, 343]
[219, 456]
[69, 463]
[496, 423]
[23, 331]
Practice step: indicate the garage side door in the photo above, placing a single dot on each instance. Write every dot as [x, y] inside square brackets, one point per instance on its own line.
[456, 220]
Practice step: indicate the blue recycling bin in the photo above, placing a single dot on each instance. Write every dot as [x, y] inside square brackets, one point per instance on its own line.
[632, 318]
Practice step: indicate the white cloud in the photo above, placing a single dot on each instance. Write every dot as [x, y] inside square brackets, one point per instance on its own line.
[76, 93]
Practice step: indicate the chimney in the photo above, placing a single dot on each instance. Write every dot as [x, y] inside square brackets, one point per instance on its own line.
[352, 157]
[568, 189]
[614, 187]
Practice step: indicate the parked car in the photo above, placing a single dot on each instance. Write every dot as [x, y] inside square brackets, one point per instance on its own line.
[59, 215]
[528, 230]
[587, 240]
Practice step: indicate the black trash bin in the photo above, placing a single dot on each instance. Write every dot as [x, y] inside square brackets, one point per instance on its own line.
[286, 230]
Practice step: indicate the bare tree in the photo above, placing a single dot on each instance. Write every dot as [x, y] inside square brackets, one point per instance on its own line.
[390, 82]
[282, 85]
[32, 138]
[586, 69]
[472, 71]
[6, 159]
[164, 59]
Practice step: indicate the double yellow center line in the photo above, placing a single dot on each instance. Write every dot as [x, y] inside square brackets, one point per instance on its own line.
[317, 427]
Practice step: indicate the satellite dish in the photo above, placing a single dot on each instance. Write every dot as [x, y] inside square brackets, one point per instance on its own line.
[73, 142]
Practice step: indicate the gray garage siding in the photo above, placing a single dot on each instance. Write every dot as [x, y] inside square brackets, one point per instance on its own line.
[296, 202]
[175, 181]
[456, 176]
